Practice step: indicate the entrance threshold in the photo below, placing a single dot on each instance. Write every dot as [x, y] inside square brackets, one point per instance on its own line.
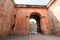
[33, 33]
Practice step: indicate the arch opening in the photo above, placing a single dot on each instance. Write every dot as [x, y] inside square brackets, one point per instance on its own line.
[35, 23]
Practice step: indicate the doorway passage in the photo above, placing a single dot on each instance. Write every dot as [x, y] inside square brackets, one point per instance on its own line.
[35, 24]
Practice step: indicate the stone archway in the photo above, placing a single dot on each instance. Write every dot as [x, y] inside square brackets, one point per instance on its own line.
[36, 16]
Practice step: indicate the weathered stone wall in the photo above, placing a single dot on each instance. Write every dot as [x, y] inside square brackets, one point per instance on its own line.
[55, 28]
[54, 10]
[6, 17]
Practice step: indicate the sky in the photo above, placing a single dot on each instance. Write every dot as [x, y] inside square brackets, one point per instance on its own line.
[32, 20]
[32, 2]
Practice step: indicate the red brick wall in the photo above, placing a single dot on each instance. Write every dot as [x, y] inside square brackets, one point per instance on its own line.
[22, 25]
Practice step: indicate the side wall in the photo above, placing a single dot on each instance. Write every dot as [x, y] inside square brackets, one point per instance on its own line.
[55, 15]
[6, 17]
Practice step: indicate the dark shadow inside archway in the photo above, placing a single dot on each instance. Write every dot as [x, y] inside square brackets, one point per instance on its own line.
[35, 23]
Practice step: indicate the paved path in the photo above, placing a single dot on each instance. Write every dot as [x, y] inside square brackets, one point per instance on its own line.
[32, 37]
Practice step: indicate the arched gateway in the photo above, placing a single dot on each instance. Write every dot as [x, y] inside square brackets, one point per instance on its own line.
[35, 27]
